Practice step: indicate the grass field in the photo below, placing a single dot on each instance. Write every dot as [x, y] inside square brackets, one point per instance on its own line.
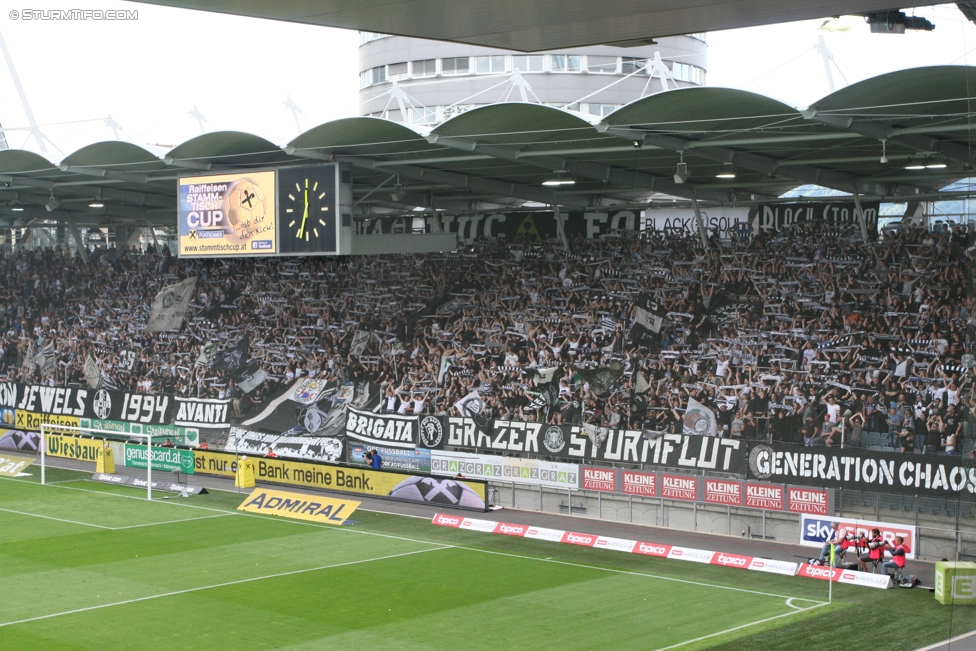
[88, 566]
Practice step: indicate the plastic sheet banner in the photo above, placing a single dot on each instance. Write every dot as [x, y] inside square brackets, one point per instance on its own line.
[508, 469]
[864, 470]
[424, 489]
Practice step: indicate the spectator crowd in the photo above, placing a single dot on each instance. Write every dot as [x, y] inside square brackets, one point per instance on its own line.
[805, 336]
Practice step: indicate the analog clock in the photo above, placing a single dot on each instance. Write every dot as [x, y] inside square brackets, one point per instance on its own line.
[307, 210]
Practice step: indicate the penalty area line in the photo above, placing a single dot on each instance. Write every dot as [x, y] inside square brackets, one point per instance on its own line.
[220, 585]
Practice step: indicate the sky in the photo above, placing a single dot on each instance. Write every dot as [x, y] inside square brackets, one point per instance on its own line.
[149, 73]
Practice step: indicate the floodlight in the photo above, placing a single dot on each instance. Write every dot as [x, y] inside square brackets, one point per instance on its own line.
[681, 173]
[52, 203]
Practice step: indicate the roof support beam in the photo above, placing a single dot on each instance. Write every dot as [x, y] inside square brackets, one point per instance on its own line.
[756, 162]
[100, 173]
[483, 186]
[882, 131]
[585, 169]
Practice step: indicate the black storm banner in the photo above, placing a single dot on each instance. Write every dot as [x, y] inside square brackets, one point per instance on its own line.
[886, 472]
[570, 442]
[776, 217]
[101, 404]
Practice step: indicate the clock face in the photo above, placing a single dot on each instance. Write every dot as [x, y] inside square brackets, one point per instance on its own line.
[307, 210]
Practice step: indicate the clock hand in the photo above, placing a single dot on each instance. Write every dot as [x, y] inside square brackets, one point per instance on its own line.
[301, 229]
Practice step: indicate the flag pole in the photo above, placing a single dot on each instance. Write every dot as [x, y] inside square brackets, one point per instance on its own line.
[830, 575]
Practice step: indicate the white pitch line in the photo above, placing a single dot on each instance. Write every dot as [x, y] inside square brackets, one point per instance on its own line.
[220, 585]
[48, 517]
[739, 628]
[947, 644]
[328, 527]
[154, 524]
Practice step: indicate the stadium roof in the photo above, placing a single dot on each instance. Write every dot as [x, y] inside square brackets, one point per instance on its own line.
[500, 155]
[539, 24]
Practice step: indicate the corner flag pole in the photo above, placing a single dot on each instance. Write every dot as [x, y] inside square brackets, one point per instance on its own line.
[830, 580]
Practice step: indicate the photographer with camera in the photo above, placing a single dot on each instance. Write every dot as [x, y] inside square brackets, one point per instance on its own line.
[898, 551]
[837, 539]
[875, 549]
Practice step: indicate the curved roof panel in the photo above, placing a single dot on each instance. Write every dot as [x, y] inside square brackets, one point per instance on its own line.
[14, 161]
[917, 92]
[705, 109]
[518, 124]
[229, 148]
[362, 136]
[115, 155]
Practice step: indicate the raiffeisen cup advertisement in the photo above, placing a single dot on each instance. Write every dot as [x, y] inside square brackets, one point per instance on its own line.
[228, 215]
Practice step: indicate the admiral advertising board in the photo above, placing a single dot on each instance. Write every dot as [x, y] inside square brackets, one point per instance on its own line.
[223, 215]
[859, 469]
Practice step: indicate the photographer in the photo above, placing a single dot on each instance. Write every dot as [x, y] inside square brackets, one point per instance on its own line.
[837, 539]
[875, 545]
[898, 551]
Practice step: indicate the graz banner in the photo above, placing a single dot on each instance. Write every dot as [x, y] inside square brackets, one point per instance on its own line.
[569, 442]
[461, 493]
[508, 469]
[202, 412]
[313, 448]
[776, 217]
[928, 475]
[390, 430]
[532, 226]
[75, 403]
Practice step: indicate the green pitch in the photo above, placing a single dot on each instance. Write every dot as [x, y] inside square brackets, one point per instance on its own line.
[87, 566]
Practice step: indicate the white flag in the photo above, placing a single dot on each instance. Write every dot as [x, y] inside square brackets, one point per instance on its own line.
[92, 375]
[699, 419]
[169, 308]
[470, 405]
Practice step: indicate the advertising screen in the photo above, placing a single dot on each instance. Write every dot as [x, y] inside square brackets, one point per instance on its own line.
[225, 215]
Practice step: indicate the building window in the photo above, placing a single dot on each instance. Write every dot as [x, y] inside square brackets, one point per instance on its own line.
[422, 115]
[527, 63]
[687, 72]
[455, 66]
[630, 65]
[366, 37]
[600, 110]
[601, 64]
[564, 63]
[372, 76]
[397, 71]
[489, 64]
[423, 68]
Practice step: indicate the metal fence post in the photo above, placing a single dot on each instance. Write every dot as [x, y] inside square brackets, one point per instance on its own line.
[540, 497]
[694, 514]
[631, 499]
[513, 494]
[599, 506]
[764, 524]
[728, 513]
[569, 500]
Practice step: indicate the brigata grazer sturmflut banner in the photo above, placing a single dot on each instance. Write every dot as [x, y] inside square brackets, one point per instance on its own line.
[570, 442]
[100, 404]
[856, 469]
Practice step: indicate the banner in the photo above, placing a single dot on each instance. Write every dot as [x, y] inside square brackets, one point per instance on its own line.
[31, 420]
[860, 469]
[299, 506]
[533, 226]
[313, 448]
[815, 531]
[159, 433]
[776, 217]
[391, 430]
[20, 440]
[202, 412]
[569, 442]
[534, 472]
[70, 403]
[225, 215]
[424, 489]
[314, 407]
[682, 221]
[73, 447]
[165, 459]
[170, 305]
[93, 376]
[11, 466]
[415, 460]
